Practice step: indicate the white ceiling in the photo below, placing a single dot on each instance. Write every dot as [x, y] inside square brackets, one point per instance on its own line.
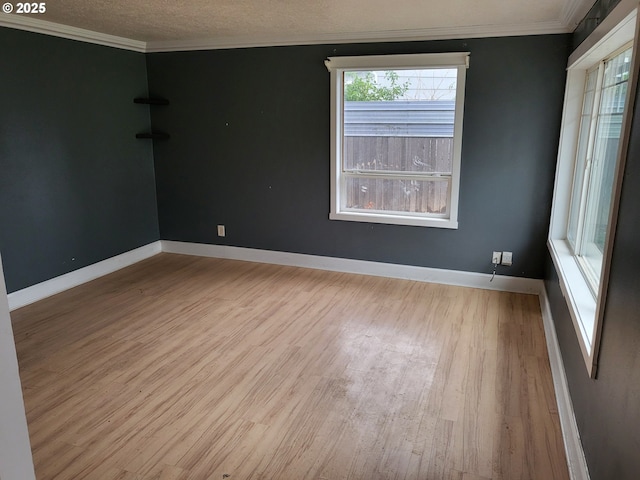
[165, 24]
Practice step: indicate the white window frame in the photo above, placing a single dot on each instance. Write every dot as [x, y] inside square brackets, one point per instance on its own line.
[337, 66]
[585, 307]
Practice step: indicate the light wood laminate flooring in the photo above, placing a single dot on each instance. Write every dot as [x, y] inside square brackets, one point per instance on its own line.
[194, 368]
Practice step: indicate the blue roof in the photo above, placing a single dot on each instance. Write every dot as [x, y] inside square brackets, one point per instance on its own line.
[399, 118]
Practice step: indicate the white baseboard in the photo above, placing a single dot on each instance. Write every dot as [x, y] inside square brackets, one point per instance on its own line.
[571, 436]
[69, 280]
[407, 272]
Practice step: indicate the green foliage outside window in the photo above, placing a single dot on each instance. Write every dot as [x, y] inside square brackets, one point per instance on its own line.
[366, 89]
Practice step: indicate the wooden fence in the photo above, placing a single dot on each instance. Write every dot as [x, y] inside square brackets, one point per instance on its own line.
[397, 155]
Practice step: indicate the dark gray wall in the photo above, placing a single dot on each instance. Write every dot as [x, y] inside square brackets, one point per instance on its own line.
[249, 148]
[76, 186]
[607, 409]
[593, 18]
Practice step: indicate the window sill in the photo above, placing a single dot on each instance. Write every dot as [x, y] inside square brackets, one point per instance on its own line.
[394, 219]
[580, 300]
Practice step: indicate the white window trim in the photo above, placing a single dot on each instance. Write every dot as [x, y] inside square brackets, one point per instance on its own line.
[587, 311]
[336, 66]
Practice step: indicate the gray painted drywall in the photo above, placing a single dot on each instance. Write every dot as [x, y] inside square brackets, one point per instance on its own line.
[249, 148]
[76, 187]
[607, 408]
[593, 18]
[15, 450]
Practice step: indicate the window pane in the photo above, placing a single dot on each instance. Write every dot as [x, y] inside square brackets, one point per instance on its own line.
[397, 195]
[604, 160]
[581, 157]
[398, 154]
[398, 122]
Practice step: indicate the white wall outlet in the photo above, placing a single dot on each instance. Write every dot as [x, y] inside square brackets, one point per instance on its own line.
[507, 258]
[221, 231]
[496, 258]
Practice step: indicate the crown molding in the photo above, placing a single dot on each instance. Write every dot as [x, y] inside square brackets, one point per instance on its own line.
[30, 24]
[574, 11]
[439, 33]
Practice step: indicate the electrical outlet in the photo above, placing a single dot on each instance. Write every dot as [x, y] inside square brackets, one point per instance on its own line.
[507, 258]
[496, 258]
[221, 231]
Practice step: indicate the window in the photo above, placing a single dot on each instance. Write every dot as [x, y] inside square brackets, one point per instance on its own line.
[598, 141]
[397, 138]
[593, 142]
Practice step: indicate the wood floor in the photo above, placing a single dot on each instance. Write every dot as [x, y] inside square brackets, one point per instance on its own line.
[192, 368]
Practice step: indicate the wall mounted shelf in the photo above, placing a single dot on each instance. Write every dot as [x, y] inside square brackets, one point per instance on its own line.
[154, 135]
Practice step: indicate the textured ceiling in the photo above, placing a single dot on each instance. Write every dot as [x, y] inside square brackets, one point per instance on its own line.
[170, 21]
